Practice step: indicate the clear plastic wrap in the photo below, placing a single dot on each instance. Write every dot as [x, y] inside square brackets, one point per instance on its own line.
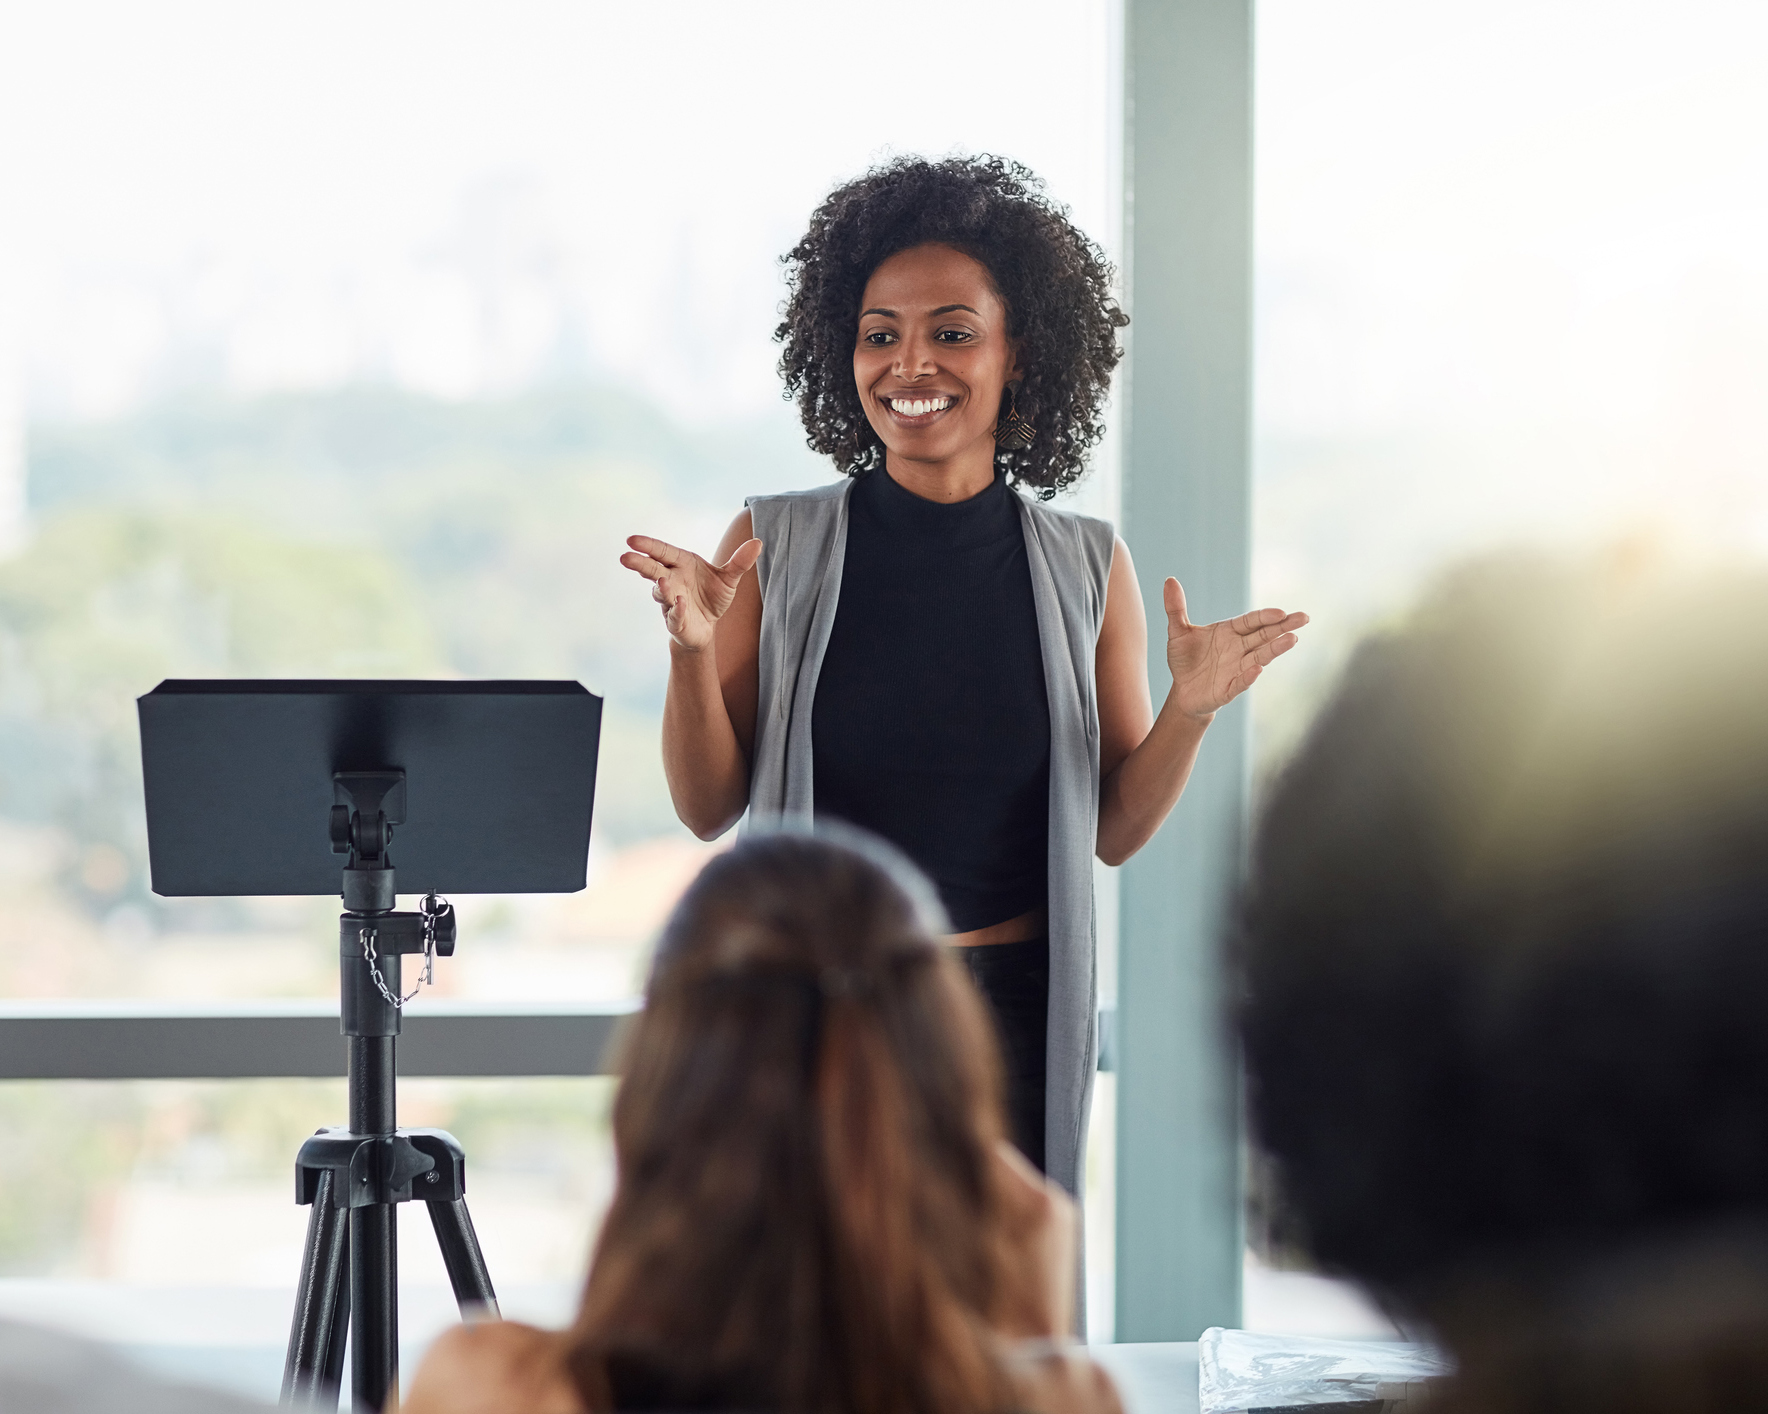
[1242, 1371]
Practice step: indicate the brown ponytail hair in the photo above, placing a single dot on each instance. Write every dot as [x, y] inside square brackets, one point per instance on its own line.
[807, 1215]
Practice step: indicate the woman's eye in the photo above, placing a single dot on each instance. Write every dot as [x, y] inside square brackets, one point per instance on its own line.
[877, 338]
[954, 336]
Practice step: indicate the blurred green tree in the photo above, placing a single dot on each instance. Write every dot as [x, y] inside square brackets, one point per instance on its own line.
[105, 602]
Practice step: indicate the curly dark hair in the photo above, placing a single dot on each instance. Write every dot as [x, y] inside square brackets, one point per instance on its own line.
[1054, 282]
[1502, 946]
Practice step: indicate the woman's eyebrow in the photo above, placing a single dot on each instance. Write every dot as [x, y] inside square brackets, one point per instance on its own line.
[931, 314]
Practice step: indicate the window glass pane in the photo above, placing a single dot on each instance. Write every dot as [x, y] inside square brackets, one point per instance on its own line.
[1512, 264]
[1512, 286]
[160, 1216]
[345, 341]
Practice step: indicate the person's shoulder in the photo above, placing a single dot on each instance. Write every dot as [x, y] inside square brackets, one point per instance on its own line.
[1092, 530]
[496, 1367]
[1060, 1381]
[795, 524]
[831, 491]
[1085, 544]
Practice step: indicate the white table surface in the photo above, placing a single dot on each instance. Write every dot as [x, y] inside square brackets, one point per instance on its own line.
[1159, 1378]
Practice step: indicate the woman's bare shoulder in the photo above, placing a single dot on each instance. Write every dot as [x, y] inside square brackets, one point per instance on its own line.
[1059, 1381]
[499, 1367]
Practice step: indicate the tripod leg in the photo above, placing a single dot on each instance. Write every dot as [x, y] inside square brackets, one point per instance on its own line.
[374, 1306]
[315, 1329]
[334, 1357]
[465, 1262]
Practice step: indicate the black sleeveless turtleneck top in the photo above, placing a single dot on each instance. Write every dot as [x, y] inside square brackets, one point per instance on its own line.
[931, 725]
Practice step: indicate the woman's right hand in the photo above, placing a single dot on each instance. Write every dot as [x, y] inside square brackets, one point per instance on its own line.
[693, 592]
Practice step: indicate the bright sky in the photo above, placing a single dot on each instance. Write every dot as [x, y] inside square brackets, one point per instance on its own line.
[466, 196]
[1568, 167]
[1512, 279]
[1540, 224]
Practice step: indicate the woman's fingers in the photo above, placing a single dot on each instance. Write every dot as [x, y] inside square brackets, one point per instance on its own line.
[645, 565]
[659, 550]
[666, 585]
[1269, 622]
[1258, 637]
[1255, 619]
[692, 592]
[1264, 653]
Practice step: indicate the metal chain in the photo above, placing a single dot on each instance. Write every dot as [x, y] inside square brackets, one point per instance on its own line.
[431, 908]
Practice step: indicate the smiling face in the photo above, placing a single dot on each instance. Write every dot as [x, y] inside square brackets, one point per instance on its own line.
[931, 359]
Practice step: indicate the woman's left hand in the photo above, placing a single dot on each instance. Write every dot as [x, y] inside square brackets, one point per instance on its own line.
[1212, 664]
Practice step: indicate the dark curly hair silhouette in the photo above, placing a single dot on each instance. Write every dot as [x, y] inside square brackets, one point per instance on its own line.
[1054, 281]
[1503, 980]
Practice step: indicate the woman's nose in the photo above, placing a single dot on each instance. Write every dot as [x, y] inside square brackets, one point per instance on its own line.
[914, 358]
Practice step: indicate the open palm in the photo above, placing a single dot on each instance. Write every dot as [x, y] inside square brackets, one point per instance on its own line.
[693, 592]
[1212, 664]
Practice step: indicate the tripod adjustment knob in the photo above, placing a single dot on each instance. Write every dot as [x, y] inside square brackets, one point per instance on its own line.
[340, 829]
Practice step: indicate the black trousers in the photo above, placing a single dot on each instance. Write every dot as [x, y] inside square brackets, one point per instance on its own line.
[1014, 978]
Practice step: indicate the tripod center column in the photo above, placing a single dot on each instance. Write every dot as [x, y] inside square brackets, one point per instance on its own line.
[370, 1021]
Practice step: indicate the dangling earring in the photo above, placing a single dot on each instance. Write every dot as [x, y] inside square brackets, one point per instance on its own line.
[1013, 433]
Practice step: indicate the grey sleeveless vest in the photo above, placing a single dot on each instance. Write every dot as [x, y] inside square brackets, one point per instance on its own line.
[804, 535]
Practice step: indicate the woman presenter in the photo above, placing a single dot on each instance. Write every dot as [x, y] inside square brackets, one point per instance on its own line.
[925, 650]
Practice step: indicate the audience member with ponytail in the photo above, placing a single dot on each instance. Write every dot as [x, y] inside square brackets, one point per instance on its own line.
[817, 1207]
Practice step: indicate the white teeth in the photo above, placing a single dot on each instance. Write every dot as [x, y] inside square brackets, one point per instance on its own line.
[919, 407]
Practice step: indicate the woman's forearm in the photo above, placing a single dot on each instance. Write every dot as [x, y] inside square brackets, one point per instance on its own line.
[1136, 797]
[703, 761]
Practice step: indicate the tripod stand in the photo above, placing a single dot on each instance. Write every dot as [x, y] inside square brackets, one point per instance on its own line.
[354, 1177]
[238, 775]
